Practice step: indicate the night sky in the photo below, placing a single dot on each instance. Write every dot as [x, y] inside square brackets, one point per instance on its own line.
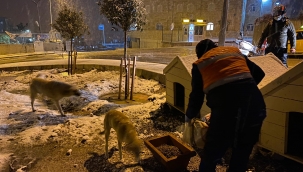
[17, 10]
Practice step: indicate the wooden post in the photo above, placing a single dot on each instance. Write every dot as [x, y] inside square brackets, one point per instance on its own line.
[133, 78]
[126, 80]
[74, 63]
[120, 79]
[68, 63]
[128, 76]
[71, 63]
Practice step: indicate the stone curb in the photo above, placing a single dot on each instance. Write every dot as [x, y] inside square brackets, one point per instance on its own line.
[142, 73]
[25, 54]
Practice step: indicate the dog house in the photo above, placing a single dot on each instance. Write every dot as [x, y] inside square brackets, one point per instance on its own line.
[178, 81]
[282, 90]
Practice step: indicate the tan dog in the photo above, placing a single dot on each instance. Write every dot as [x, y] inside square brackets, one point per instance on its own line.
[125, 130]
[52, 89]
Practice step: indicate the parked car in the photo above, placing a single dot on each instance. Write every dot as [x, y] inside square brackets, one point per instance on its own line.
[299, 45]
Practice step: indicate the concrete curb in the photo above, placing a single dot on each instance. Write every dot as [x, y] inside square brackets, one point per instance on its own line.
[25, 54]
[143, 70]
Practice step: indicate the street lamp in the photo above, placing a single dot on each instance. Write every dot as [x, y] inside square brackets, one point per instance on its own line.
[50, 12]
[36, 2]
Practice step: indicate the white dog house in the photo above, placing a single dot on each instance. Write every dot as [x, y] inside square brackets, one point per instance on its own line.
[282, 90]
[178, 81]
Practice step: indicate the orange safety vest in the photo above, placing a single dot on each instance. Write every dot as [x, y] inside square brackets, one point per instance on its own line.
[222, 65]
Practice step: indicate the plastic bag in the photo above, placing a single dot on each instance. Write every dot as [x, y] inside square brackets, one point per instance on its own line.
[199, 132]
[195, 132]
[187, 133]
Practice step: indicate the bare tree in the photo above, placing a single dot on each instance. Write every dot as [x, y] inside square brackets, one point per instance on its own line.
[126, 14]
[70, 24]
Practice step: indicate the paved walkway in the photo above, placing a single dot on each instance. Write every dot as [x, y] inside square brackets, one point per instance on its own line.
[150, 63]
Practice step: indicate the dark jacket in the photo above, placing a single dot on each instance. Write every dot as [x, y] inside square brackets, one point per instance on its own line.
[231, 95]
[278, 33]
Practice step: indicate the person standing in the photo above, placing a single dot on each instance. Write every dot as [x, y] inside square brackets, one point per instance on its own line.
[229, 81]
[277, 32]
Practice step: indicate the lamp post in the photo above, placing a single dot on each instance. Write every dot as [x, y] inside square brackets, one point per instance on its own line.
[261, 8]
[50, 13]
[37, 3]
[172, 21]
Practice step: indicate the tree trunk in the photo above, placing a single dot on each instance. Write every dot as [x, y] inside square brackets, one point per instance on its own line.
[223, 24]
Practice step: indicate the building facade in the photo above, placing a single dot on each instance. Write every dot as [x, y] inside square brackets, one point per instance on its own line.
[180, 21]
[188, 21]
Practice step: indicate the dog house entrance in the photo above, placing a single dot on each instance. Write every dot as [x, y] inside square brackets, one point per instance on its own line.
[179, 96]
[295, 134]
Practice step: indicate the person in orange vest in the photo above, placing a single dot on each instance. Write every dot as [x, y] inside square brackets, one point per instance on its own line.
[229, 80]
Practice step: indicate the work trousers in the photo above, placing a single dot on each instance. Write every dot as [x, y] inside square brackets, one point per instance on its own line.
[235, 128]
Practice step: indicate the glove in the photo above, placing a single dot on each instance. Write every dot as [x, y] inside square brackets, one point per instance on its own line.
[206, 118]
[259, 50]
[292, 50]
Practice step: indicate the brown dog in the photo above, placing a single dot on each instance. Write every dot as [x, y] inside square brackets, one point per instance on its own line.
[52, 89]
[125, 130]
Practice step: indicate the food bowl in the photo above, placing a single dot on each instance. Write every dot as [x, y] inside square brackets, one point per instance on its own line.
[175, 163]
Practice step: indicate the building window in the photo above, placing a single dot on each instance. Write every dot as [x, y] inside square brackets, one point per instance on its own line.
[147, 7]
[198, 30]
[159, 26]
[159, 8]
[252, 8]
[185, 31]
[250, 27]
[179, 7]
[210, 26]
[211, 7]
[190, 8]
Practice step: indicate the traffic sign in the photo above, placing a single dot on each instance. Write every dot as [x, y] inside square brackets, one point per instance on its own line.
[101, 27]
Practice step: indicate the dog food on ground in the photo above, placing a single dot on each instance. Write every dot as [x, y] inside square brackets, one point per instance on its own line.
[169, 150]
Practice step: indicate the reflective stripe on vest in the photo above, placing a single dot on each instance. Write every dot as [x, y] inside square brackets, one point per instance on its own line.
[212, 59]
[222, 69]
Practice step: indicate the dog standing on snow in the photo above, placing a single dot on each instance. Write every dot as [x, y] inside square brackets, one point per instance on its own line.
[54, 90]
[125, 130]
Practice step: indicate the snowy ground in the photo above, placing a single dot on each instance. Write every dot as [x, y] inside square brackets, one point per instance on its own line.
[45, 141]
[26, 135]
